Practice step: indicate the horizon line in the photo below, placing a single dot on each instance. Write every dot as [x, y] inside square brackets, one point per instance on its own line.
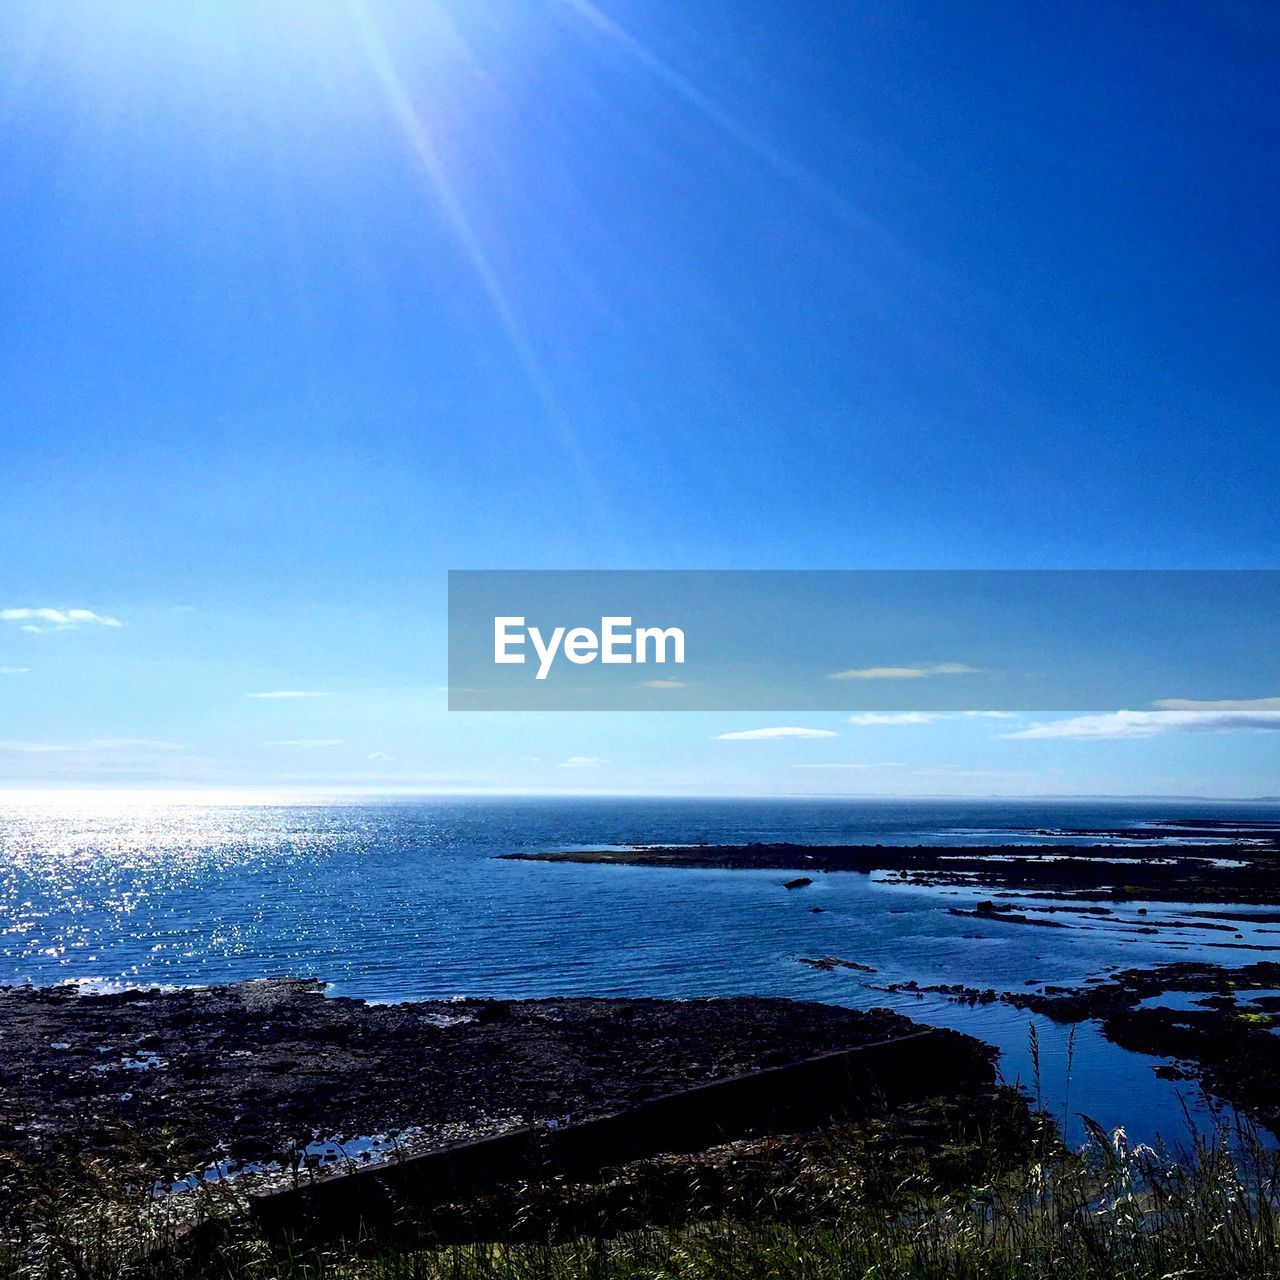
[283, 794]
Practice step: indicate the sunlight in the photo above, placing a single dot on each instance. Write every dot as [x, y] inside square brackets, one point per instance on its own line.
[413, 125]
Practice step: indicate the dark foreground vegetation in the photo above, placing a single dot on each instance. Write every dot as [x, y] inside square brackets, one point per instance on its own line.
[157, 1133]
[932, 1170]
[988, 1192]
[968, 1185]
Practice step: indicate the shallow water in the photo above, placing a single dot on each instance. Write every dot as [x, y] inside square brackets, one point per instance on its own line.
[397, 900]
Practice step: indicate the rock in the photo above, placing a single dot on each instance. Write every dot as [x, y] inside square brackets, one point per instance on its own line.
[828, 963]
[254, 1067]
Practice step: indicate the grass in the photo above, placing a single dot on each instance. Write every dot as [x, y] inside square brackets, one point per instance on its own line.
[1116, 1211]
[861, 1201]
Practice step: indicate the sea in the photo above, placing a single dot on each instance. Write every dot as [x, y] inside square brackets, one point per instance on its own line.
[391, 899]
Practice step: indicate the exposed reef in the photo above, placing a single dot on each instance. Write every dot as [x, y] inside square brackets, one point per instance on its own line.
[1201, 860]
[1210, 1023]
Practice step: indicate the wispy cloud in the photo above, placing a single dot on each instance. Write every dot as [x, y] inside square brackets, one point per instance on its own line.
[921, 771]
[895, 717]
[954, 771]
[924, 717]
[779, 731]
[38, 621]
[14, 671]
[1223, 704]
[908, 673]
[305, 742]
[291, 693]
[380, 755]
[854, 765]
[1153, 724]
[93, 744]
[582, 762]
[663, 684]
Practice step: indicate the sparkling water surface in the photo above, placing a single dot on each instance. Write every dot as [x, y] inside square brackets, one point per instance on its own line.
[404, 899]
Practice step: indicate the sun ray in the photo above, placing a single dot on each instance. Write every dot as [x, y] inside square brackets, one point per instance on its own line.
[751, 141]
[445, 193]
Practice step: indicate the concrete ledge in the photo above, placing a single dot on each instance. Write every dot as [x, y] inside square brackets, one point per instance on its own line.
[846, 1084]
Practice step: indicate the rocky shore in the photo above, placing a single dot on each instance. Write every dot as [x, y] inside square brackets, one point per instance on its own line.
[1214, 1024]
[1189, 861]
[249, 1071]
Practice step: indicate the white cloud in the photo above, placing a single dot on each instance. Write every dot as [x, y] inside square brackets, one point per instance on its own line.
[954, 771]
[894, 717]
[582, 762]
[38, 621]
[921, 771]
[781, 731]
[290, 693]
[305, 742]
[94, 744]
[664, 684]
[1225, 704]
[842, 764]
[1152, 724]
[907, 673]
[924, 717]
[14, 671]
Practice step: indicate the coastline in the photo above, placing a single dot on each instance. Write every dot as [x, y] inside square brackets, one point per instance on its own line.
[1239, 865]
[251, 1072]
[1215, 1025]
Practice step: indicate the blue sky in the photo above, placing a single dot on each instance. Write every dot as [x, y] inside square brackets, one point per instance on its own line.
[305, 303]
